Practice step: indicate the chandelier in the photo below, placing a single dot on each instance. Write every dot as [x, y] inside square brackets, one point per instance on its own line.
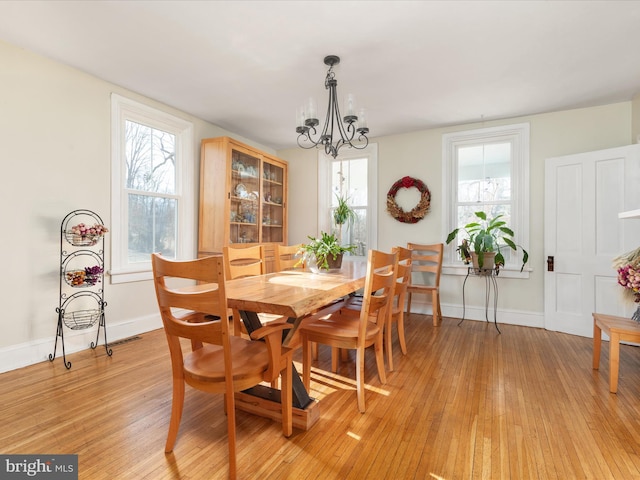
[345, 127]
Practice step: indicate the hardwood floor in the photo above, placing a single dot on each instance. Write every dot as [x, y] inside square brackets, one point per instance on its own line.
[464, 403]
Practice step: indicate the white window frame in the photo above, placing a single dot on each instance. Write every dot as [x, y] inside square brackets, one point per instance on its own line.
[370, 152]
[123, 109]
[518, 135]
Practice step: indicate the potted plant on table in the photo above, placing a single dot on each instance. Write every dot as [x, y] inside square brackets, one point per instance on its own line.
[324, 253]
[483, 242]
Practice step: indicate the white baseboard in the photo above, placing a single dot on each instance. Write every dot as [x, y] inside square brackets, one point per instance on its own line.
[510, 317]
[29, 353]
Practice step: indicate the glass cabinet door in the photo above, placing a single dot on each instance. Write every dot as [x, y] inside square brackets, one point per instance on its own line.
[245, 195]
[272, 202]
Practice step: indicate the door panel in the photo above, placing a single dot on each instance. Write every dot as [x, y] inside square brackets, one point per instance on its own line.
[583, 195]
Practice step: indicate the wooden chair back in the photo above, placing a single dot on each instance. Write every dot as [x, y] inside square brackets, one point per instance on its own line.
[379, 286]
[403, 276]
[198, 304]
[426, 261]
[286, 257]
[242, 262]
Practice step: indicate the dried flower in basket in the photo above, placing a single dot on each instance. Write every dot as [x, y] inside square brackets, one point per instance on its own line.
[85, 230]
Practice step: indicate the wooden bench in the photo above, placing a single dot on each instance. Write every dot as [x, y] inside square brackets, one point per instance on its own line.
[619, 330]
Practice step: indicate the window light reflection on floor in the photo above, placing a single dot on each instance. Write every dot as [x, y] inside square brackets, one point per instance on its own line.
[332, 381]
[353, 435]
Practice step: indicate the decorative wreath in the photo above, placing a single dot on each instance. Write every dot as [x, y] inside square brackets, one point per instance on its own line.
[419, 211]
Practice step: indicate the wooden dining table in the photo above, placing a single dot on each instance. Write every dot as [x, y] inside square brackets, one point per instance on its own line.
[293, 294]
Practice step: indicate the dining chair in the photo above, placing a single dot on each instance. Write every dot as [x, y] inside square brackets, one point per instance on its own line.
[345, 331]
[426, 260]
[286, 258]
[354, 304]
[221, 362]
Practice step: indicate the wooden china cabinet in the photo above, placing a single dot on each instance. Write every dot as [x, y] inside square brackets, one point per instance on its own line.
[243, 198]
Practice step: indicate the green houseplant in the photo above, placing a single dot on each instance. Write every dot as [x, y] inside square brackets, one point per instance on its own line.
[343, 214]
[485, 237]
[324, 253]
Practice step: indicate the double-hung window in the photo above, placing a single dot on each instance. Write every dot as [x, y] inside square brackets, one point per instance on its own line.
[487, 170]
[152, 188]
[353, 176]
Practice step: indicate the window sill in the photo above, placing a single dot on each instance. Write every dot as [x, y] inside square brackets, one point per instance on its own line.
[131, 275]
[505, 272]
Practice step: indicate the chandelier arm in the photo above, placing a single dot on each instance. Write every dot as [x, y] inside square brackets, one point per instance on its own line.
[305, 137]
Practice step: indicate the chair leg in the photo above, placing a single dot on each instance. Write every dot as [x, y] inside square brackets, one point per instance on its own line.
[237, 323]
[334, 359]
[408, 302]
[380, 359]
[360, 378]
[286, 398]
[177, 404]
[400, 323]
[435, 308]
[306, 363]
[229, 400]
[388, 345]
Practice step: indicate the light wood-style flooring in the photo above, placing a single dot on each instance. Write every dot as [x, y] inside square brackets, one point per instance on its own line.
[464, 403]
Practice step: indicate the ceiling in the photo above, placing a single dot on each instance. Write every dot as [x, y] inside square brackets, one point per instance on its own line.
[247, 65]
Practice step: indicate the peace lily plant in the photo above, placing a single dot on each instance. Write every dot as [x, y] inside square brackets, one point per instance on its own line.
[489, 235]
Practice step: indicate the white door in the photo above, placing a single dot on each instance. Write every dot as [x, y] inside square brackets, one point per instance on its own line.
[583, 195]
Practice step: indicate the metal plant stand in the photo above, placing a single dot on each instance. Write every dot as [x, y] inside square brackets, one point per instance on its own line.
[489, 275]
[81, 302]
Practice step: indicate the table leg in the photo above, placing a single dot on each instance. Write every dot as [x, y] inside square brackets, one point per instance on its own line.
[597, 345]
[301, 398]
[614, 361]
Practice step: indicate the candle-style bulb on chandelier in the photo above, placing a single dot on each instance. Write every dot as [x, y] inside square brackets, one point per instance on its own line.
[345, 128]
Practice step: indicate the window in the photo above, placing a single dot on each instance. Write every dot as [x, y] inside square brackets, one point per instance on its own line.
[352, 175]
[488, 170]
[152, 188]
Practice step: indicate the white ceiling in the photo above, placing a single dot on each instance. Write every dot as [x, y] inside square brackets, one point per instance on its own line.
[247, 65]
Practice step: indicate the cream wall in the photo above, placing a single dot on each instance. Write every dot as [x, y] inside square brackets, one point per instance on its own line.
[55, 137]
[635, 120]
[419, 154]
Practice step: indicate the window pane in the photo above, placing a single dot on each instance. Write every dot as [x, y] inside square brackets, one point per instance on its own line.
[150, 159]
[484, 172]
[152, 227]
[349, 179]
[358, 233]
